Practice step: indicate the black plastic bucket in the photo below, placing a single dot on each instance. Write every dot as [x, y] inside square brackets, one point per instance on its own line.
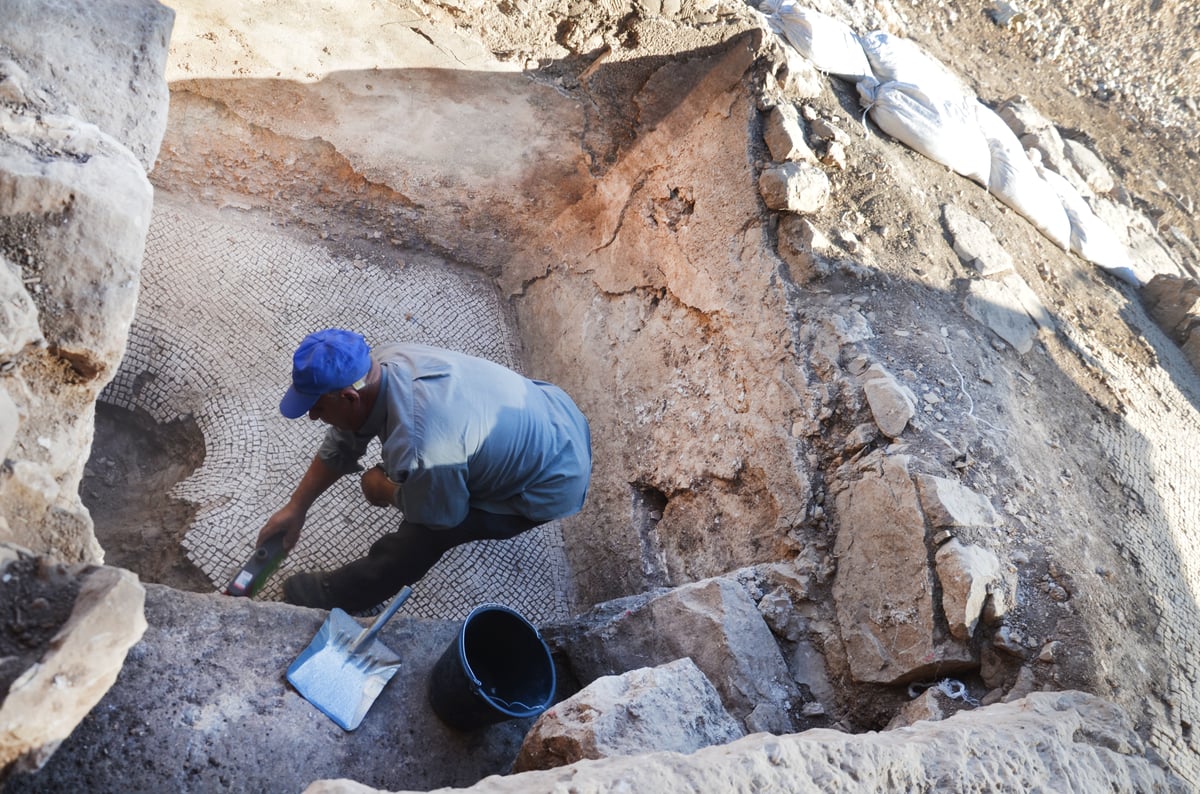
[498, 668]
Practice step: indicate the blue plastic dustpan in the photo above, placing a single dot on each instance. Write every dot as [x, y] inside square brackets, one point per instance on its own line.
[345, 667]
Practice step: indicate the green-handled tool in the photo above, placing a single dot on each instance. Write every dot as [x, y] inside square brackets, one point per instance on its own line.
[345, 667]
[254, 574]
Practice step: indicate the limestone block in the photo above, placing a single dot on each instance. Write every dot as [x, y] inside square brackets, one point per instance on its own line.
[1038, 133]
[974, 242]
[794, 187]
[994, 305]
[18, 314]
[1047, 741]
[798, 78]
[1148, 251]
[927, 706]
[1191, 349]
[827, 131]
[1089, 166]
[45, 704]
[40, 514]
[883, 589]
[1028, 300]
[792, 577]
[712, 622]
[1022, 117]
[948, 503]
[87, 202]
[785, 136]
[31, 488]
[808, 669]
[768, 717]
[1045, 147]
[10, 418]
[803, 246]
[669, 707]
[779, 612]
[892, 403]
[104, 65]
[968, 574]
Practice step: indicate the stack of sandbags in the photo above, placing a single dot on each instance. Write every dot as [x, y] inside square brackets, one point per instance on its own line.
[828, 42]
[918, 101]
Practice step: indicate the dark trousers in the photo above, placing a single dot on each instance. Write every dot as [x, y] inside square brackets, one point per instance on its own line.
[402, 557]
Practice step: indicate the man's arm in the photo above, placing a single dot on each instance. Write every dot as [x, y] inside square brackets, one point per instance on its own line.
[379, 490]
[290, 518]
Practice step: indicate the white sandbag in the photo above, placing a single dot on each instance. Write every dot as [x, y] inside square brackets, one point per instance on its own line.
[1091, 238]
[943, 129]
[1015, 180]
[828, 42]
[900, 60]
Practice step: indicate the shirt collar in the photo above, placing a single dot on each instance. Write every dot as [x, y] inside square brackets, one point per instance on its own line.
[378, 415]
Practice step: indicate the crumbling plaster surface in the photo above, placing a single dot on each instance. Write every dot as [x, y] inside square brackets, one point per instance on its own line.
[390, 117]
[659, 278]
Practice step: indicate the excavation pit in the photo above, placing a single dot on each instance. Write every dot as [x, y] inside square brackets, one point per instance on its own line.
[126, 487]
[225, 298]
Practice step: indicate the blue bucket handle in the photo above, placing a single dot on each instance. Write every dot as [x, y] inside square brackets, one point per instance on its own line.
[462, 650]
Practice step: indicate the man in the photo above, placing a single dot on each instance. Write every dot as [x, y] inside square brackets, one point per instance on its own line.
[470, 450]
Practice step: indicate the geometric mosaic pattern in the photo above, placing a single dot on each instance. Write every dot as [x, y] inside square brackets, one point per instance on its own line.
[223, 303]
[1154, 455]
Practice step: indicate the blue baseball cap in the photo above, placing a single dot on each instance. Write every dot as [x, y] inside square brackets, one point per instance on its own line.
[325, 361]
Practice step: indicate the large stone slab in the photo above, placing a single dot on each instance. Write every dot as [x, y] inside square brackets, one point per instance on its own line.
[892, 403]
[670, 707]
[948, 503]
[716, 625]
[998, 307]
[1048, 741]
[974, 242]
[70, 669]
[883, 592]
[969, 574]
[103, 64]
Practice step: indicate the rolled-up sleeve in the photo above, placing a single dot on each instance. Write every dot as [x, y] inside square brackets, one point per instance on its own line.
[341, 450]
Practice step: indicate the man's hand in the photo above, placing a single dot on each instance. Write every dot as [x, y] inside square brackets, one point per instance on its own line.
[289, 521]
[379, 490]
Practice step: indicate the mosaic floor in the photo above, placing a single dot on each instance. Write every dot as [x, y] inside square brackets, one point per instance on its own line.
[225, 299]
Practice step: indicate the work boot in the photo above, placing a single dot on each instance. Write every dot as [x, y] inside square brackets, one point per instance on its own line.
[308, 590]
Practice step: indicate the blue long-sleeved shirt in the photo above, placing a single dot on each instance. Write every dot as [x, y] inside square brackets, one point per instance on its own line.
[460, 432]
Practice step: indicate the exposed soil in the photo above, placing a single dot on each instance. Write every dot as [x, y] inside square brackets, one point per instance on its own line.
[126, 486]
[36, 599]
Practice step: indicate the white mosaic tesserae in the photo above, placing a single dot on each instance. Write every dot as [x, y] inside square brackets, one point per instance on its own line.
[223, 305]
